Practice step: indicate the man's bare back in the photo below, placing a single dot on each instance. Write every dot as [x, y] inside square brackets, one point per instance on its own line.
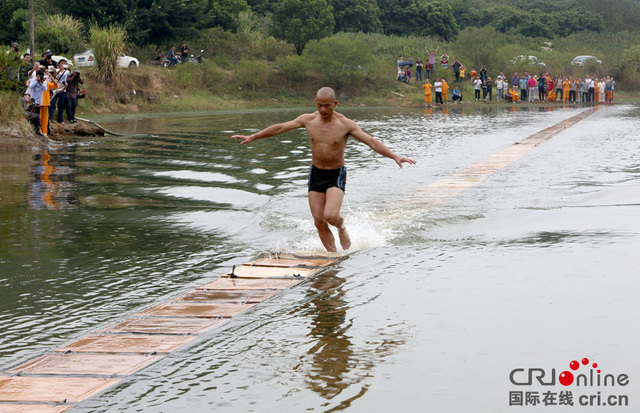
[328, 133]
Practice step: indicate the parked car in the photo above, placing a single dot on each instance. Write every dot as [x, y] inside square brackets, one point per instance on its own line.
[58, 58]
[583, 60]
[86, 58]
[530, 60]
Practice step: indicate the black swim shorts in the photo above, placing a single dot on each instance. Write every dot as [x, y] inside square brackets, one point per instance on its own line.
[322, 179]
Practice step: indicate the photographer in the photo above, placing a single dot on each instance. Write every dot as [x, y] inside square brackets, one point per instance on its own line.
[30, 111]
[72, 95]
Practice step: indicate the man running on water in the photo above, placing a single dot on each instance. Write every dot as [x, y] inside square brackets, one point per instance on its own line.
[328, 132]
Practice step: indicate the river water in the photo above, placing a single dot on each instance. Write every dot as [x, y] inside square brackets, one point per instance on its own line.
[533, 267]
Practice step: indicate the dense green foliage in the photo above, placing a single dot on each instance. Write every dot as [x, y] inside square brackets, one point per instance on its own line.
[298, 21]
[256, 44]
[168, 21]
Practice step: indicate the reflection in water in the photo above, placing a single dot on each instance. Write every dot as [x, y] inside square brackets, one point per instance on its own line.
[333, 353]
[52, 185]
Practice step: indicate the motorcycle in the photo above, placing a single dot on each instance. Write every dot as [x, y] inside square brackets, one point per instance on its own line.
[197, 59]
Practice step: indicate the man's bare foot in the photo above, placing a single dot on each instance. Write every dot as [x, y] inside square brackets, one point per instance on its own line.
[345, 241]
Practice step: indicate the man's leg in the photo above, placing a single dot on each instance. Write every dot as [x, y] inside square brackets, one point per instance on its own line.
[316, 204]
[325, 209]
[332, 215]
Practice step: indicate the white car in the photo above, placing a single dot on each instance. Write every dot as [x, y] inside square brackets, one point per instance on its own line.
[582, 60]
[530, 60]
[86, 58]
[58, 58]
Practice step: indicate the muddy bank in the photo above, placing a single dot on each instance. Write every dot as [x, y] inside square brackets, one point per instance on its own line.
[18, 137]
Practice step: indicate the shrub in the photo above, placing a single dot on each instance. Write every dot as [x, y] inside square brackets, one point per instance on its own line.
[340, 60]
[252, 74]
[295, 68]
[59, 33]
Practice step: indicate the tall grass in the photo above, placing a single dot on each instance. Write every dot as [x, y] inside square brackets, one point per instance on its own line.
[11, 113]
[107, 44]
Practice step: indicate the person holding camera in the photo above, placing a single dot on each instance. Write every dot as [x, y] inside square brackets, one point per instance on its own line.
[73, 83]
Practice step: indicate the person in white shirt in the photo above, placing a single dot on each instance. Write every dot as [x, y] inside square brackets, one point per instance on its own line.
[438, 88]
[500, 87]
[477, 87]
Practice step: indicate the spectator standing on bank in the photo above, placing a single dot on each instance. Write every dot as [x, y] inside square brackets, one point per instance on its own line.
[456, 66]
[445, 90]
[524, 86]
[432, 60]
[560, 88]
[488, 88]
[59, 100]
[184, 52]
[73, 84]
[531, 84]
[477, 87]
[591, 97]
[501, 85]
[515, 81]
[483, 73]
[419, 67]
[427, 92]
[438, 87]
[542, 88]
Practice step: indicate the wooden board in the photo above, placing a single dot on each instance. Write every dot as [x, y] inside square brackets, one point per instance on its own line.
[87, 364]
[249, 284]
[32, 408]
[197, 310]
[235, 296]
[245, 271]
[51, 389]
[120, 343]
[292, 262]
[164, 325]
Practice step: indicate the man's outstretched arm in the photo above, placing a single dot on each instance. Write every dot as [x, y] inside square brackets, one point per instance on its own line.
[272, 130]
[361, 136]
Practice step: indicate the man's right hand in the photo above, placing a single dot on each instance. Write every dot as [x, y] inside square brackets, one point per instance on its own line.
[244, 138]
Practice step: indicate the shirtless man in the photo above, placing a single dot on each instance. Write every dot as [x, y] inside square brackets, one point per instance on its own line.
[328, 132]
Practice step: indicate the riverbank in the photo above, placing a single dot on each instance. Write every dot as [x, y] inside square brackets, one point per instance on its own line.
[152, 91]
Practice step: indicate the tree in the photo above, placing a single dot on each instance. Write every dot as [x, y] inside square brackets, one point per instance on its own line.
[298, 21]
[576, 20]
[223, 13]
[356, 16]
[418, 17]
[158, 21]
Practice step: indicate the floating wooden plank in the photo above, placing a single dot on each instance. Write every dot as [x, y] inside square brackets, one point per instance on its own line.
[164, 325]
[292, 262]
[309, 254]
[144, 344]
[244, 271]
[32, 408]
[51, 389]
[86, 364]
[249, 284]
[197, 310]
[237, 296]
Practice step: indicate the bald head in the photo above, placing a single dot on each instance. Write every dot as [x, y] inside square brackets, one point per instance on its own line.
[326, 92]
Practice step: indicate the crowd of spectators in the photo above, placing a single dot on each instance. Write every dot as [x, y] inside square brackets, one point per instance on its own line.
[527, 87]
[47, 86]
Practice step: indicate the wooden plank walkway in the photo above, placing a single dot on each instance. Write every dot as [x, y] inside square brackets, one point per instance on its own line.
[56, 382]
